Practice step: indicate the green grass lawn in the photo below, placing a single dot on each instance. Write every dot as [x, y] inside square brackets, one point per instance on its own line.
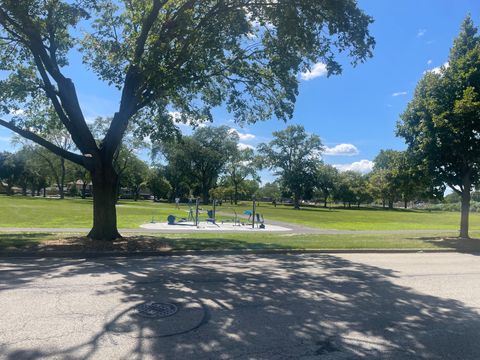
[368, 218]
[27, 212]
[253, 241]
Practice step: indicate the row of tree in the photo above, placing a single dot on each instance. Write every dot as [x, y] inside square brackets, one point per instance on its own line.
[34, 170]
[211, 164]
[295, 158]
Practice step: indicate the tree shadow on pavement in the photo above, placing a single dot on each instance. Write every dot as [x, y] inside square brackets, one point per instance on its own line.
[241, 307]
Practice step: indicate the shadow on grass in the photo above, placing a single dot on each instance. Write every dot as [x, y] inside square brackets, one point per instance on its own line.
[355, 208]
[21, 240]
[263, 307]
[469, 246]
[47, 242]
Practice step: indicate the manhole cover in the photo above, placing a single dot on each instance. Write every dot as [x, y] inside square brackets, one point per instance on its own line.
[156, 310]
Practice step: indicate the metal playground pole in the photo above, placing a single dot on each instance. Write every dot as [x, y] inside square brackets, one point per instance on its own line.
[253, 214]
[214, 210]
[196, 212]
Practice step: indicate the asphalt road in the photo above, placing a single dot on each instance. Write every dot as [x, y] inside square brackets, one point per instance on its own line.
[355, 306]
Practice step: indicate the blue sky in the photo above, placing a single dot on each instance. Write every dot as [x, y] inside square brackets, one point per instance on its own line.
[359, 108]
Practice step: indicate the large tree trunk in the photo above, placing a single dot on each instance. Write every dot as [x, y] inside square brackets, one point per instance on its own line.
[205, 195]
[465, 212]
[235, 194]
[390, 204]
[296, 201]
[84, 189]
[104, 181]
[9, 189]
[61, 185]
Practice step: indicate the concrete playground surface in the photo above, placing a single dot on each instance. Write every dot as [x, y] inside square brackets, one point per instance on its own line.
[310, 306]
[188, 226]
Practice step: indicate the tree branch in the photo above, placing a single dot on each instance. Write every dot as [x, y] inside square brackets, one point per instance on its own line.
[146, 27]
[458, 191]
[75, 158]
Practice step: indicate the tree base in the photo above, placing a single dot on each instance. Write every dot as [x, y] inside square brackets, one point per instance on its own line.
[102, 235]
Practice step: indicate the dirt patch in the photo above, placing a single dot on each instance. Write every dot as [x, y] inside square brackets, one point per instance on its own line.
[84, 244]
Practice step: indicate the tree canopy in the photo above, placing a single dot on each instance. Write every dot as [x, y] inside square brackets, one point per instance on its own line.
[441, 124]
[198, 160]
[294, 155]
[166, 57]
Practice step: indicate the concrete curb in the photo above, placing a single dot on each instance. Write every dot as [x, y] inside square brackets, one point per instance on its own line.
[101, 254]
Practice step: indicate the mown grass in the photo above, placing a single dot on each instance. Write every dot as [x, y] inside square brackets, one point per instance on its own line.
[367, 218]
[248, 241]
[76, 213]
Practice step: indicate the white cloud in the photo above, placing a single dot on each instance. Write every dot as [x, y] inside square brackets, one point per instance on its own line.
[429, 62]
[319, 69]
[243, 136]
[243, 146]
[400, 93]
[362, 166]
[5, 139]
[341, 149]
[421, 32]
[438, 69]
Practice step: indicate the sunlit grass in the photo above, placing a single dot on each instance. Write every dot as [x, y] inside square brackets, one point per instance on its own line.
[246, 241]
[24, 212]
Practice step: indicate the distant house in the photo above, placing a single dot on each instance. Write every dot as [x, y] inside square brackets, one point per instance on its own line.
[3, 187]
[144, 194]
[79, 186]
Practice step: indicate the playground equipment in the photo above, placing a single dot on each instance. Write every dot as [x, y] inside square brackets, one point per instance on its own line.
[254, 216]
[235, 220]
[195, 218]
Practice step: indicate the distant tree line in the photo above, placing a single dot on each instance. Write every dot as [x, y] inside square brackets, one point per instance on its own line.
[211, 164]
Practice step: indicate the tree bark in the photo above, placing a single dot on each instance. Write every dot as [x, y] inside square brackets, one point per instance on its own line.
[390, 204]
[9, 188]
[61, 185]
[205, 195]
[465, 210]
[405, 204]
[235, 194]
[296, 201]
[84, 189]
[104, 181]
